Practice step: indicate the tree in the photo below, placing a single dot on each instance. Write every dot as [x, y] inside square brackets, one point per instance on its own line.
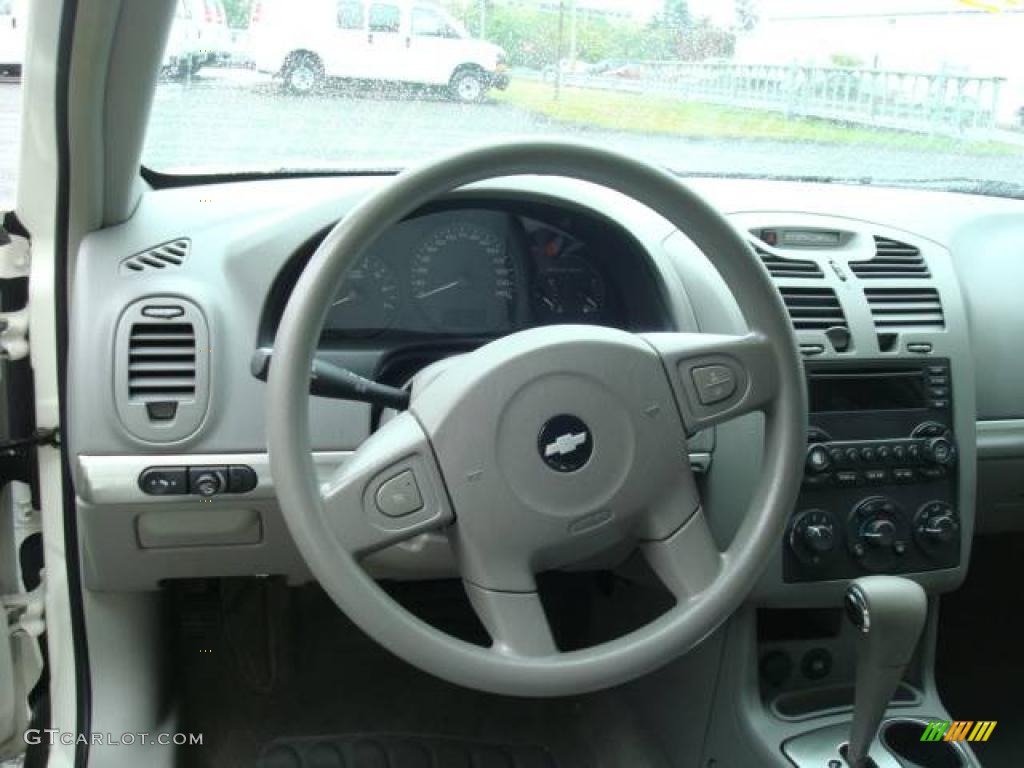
[237, 12]
[676, 15]
[746, 15]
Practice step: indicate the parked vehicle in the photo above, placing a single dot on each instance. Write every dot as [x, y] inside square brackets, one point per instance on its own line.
[199, 36]
[12, 36]
[406, 42]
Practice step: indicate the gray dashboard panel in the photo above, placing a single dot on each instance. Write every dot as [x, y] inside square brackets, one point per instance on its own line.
[243, 233]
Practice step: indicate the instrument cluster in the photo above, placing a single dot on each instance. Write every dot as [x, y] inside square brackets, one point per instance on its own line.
[473, 272]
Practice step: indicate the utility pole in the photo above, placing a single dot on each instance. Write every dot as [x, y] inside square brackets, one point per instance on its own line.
[572, 36]
[558, 53]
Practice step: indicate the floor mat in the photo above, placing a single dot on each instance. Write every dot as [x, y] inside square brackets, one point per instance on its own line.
[399, 751]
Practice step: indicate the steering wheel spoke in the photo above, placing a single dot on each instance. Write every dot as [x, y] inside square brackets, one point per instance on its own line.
[515, 621]
[687, 561]
[389, 491]
[716, 378]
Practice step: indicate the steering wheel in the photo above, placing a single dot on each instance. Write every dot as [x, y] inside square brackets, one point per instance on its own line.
[545, 447]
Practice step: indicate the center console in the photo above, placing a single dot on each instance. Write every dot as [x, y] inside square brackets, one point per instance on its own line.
[880, 487]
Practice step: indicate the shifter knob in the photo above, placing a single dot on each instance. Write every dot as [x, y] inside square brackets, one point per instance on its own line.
[889, 611]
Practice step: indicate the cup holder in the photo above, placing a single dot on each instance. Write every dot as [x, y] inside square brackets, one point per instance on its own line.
[903, 739]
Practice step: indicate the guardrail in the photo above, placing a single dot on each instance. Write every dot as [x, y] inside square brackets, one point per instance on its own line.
[936, 103]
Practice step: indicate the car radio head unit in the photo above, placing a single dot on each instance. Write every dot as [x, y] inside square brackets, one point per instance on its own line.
[879, 492]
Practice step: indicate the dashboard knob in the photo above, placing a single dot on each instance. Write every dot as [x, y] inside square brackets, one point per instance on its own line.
[852, 455]
[941, 529]
[812, 536]
[818, 459]
[819, 538]
[208, 484]
[940, 451]
[879, 533]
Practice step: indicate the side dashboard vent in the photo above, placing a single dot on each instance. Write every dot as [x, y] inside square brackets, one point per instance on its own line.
[914, 308]
[166, 256]
[893, 259]
[161, 369]
[780, 267]
[813, 309]
[161, 362]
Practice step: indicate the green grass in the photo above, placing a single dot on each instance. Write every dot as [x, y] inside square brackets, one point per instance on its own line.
[642, 113]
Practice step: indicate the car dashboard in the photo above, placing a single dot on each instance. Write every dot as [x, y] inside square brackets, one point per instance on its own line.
[897, 297]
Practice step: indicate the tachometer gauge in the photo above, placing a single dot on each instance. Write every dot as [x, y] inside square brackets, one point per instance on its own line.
[463, 279]
[367, 302]
[568, 289]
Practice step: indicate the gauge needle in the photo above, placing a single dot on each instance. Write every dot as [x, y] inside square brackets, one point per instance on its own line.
[439, 289]
[350, 296]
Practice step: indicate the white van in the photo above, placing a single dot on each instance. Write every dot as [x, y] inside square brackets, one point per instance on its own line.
[389, 40]
[12, 36]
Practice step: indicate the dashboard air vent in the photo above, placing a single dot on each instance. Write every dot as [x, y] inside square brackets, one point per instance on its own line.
[168, 255]
[905, 307]
[780, 267]
[161, 368]
[161, 362]
[893, 259]
[813, 309]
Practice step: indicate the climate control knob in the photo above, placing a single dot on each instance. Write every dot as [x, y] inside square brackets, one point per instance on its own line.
[812, 536]
[878, 533]
[936, 527]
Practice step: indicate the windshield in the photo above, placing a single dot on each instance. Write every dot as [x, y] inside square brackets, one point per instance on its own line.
[921, 92]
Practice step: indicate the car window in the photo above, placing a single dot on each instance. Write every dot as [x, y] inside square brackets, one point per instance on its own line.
[5, 7]
[350, 15]
[12, 51]
[904, 91]
[385, 17]
[428, 23]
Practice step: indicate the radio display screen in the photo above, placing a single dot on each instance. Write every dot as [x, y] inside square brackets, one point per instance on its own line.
[876, 391]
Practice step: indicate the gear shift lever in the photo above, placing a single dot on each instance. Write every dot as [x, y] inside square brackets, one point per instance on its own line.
[889, 611]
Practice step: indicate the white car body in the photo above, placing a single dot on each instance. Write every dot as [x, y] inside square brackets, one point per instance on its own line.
[12, 35]
[400, 41]
[199, 35]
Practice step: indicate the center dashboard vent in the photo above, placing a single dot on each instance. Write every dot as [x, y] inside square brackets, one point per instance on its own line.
[161, 368]
[813, 308]
[780, 267]
[913, 308]
[893, 259]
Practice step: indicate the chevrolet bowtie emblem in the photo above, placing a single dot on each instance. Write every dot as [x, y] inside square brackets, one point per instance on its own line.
[565, 444]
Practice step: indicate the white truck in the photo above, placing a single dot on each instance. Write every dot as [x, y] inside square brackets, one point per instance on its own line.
[397, 41]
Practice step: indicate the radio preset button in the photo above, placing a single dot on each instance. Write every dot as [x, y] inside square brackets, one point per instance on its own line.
[847, 479]
[868, 454]
[899, 453]
[903, 475]
[876, 476]
[852, 455]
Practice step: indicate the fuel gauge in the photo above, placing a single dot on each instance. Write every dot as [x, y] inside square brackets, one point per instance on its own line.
[568, 289]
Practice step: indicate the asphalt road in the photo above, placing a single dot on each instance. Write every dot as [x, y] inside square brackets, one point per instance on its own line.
[226, 119]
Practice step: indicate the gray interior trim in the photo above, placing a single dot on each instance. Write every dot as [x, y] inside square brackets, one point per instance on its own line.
[1001, 439]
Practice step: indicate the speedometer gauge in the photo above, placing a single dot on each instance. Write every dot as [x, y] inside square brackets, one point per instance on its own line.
[367, 302]
[463, 279]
